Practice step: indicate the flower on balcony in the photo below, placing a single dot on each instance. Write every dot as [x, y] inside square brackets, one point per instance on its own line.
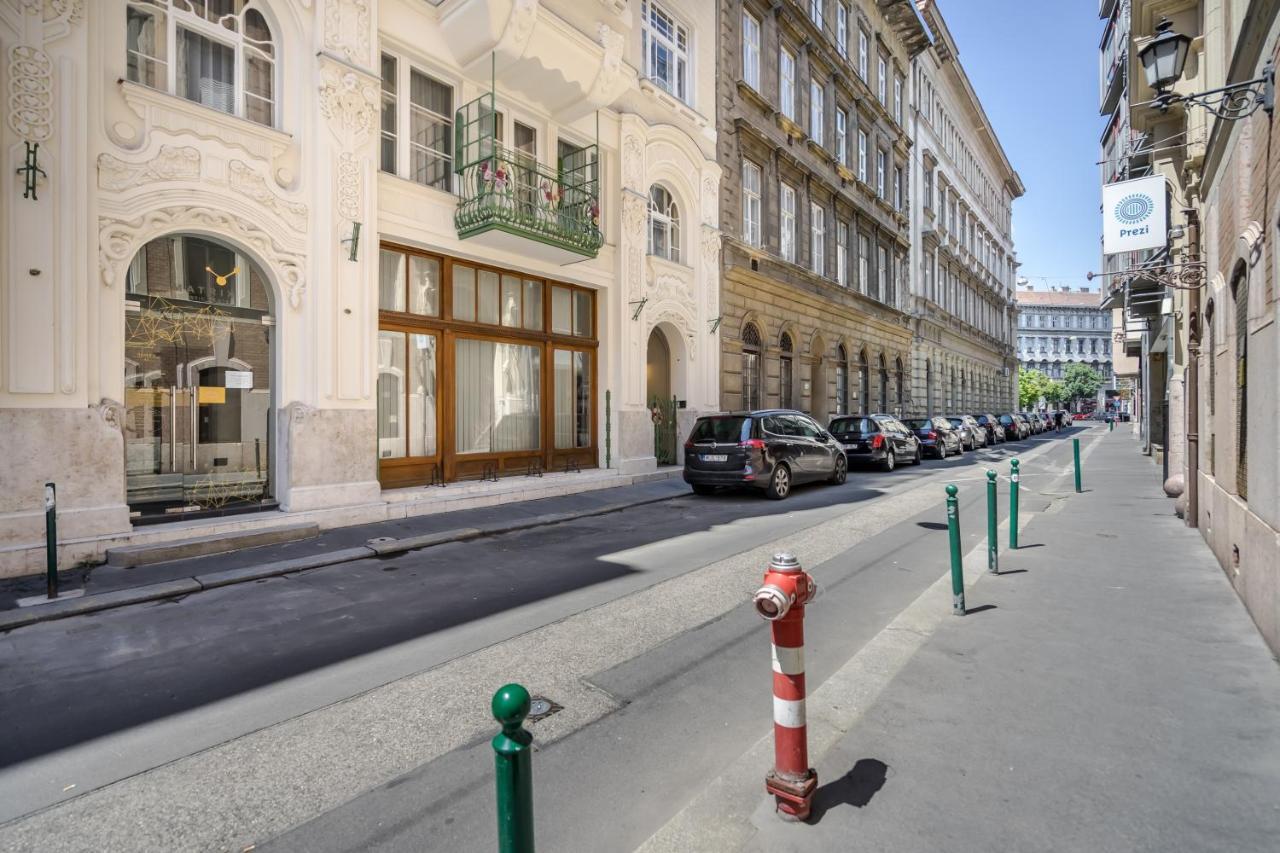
[494, 177]
[594, 210]
[551, 194]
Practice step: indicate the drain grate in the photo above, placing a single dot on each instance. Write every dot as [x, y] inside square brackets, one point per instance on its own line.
[541, 707]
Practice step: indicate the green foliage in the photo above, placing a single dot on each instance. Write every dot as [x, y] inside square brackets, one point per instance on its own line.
[1055, 393]
[1032, 385]
[1081, 382]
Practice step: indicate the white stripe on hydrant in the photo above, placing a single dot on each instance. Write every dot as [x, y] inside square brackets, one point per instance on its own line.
[788, 713]
[788, 661]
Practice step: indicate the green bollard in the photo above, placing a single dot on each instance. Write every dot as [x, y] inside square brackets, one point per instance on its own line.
[1075, 448]
[957, 567]
[1013, 505]
[993, 545]
[512, 759]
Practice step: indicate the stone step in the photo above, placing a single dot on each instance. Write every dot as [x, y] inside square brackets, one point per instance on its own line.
[128, 556]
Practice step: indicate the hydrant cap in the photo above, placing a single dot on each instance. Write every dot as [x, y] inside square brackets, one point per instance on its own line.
[510, 705]
[784, 561]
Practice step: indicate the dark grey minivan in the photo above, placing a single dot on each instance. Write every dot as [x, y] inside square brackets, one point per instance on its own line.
[771, 449]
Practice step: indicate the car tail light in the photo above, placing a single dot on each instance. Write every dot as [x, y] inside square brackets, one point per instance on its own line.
[752, 444]
[932, 435]
[877, 442]
[688, 445]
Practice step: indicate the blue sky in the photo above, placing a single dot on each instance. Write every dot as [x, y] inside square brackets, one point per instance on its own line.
[1034, 64]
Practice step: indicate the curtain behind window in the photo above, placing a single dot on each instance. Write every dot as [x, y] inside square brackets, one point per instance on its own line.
[499, 397]
[206, 71]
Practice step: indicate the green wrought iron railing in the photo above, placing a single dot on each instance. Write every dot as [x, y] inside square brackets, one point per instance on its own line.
[511, 191]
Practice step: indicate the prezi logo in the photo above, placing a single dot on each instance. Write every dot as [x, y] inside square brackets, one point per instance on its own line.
[1132, 210]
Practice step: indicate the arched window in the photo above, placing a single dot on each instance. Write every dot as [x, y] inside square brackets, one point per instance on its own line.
[842, 380]
[864, 381]
[901, 380]
[1240, 294]
[750, 368]
[784, 372]
[664, 224]
[218, 53]
[884, 384]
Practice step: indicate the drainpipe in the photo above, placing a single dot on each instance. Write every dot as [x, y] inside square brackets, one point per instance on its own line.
[1192, 516]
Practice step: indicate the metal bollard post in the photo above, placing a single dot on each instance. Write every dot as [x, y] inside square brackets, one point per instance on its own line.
[993, 523]
[512, 758]
[1075, 448]
[1013, 505]
[51, 538]
[957, 566]
[781, 601]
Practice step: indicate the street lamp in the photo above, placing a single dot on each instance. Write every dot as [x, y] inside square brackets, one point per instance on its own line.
[1163, 60]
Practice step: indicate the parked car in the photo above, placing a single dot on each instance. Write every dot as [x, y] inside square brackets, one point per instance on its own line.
[771, 449]
[1046, 418]
[1079, 416]
[972, 436]
[993, 428]
[936, 435]
[1015, 429]
[1033, 421]
[881, 439]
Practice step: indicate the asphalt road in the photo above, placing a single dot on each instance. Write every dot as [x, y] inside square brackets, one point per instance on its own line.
[174, 677]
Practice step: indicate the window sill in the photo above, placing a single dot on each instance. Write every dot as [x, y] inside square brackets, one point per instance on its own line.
[179, 115]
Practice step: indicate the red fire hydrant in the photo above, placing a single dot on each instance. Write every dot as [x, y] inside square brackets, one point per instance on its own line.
[787, 589]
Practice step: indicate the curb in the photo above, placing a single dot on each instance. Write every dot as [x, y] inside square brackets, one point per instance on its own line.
[10, 619]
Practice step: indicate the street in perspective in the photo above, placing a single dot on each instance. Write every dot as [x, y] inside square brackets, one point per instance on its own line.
[675, 426]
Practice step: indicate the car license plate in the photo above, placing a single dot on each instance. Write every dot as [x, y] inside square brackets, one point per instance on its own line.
[715, 457]
[853, 445]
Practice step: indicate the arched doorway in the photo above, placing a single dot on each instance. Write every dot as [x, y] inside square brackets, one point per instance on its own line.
[658, 393]
[198, 379]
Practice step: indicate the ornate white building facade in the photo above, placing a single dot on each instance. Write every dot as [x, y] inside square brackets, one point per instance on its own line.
[268, 260]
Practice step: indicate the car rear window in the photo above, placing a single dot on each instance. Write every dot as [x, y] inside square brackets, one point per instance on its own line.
[919, 423]
[853, 425]
[956, 421]
[727, 429]
[1006, 419]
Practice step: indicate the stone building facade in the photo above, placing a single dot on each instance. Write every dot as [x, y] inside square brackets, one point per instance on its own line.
[1061, 327]
[962, 189]
[814, 139]
[277, 261]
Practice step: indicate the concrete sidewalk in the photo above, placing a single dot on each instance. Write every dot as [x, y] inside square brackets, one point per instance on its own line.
[1113, 695]
[106, 586]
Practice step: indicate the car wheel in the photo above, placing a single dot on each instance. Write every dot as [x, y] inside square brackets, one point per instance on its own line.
[700, 489]
[779, 483]
[890, 460]
[942, 450]
[915, 460]
[841, 472]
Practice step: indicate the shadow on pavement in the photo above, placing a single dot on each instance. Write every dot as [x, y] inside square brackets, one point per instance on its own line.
[969, 611]
[855, 788]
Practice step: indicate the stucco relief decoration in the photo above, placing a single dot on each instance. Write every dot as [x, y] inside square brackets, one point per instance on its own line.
[633, 216]
[610, 80]
[348, 186]
[350, 104]
[668, 313]
[346, 29]
[672, 288]
[711, 268]
[119, 240]
[524, 14]
[709, 206]
[171, 163]
[30, 93]
[244, 180]
[633, 163]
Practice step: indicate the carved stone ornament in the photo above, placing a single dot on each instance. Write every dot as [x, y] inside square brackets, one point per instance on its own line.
[350, 103]
[346, 29]
[244, 180]
[709, 206]
[524, 14]
[672, 288]
[119, 240]
[633, 164]
[668, 313]
[30, 75]
[349, 186]
[171, 163]
[111, 412]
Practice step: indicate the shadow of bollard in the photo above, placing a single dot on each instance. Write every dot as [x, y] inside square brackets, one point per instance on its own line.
[855, 788]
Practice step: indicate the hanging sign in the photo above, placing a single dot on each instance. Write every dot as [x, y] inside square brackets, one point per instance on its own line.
[1135, 215]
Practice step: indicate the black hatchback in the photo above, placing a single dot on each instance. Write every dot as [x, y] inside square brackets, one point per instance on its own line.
[881, 439]
[772, 449]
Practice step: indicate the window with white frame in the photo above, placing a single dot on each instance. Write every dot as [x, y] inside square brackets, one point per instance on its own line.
[218, 54]
[664, 224]
[816, 111]
[928, 189]
[787, 207]
[864, 263]
[666, 50]
[897, 98]
[897, 188]
[863, 49]
[751, 50]
[430, 134]
[751, 202]
[841, 141]
[882, 83]
[815, 12]
[882, 162]
[882, 275]
[817, 238]
[787, 83]
[388, 145]
[842, 29]
[842, 254]
[862, 156]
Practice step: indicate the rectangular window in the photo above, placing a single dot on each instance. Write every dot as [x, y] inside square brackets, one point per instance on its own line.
[751, 50]
[864, 262]
[897, 188]
[787, 201]
[862, 54]
[206, 71]
[842, 254]
[750, 203]
[430, 131]
[842, 29]
[816, 112]
[572, 377]
[841, 142]
[499, 403]
[787, 83]
[815, 12]
[882, 275]
[388, 151]
[882, 83]
[881, 165]
[817, 238]
[407, 422]
[666, 50]
[571, 311]
[928, 189]
[862, 156]
[145, 33]
[897, 98]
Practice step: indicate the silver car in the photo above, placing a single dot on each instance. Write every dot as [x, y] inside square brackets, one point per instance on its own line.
[972, 436]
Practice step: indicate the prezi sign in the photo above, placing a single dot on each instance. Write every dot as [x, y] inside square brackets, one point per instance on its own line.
[1135, 215]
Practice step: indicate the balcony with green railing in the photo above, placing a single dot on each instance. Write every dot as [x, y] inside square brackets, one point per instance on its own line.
[511, 201]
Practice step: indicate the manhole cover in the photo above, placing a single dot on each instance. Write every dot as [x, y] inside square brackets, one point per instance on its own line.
[540, 707]
[378, 540]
